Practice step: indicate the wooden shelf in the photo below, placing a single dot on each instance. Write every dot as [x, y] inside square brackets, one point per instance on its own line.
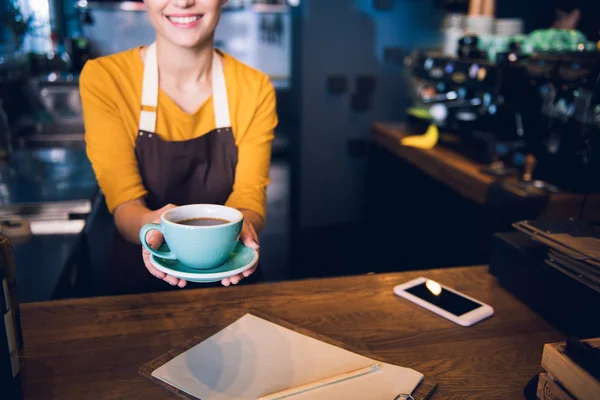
[464, 175]
[444, 165]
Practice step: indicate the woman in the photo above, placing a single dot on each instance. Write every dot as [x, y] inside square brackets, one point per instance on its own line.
[581, 15]
[567, 14]
[176, 123]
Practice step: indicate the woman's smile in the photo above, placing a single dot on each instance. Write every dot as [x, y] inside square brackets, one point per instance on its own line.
[185, 21]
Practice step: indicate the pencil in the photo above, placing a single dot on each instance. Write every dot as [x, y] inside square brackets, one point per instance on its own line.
[321, 383]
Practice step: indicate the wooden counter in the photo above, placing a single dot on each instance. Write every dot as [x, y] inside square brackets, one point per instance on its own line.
[92, 348]
[463, 175]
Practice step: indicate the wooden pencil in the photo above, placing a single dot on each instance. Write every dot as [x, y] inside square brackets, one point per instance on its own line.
[321, 383]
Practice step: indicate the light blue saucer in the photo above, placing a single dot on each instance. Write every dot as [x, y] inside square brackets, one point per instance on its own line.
[241, 259]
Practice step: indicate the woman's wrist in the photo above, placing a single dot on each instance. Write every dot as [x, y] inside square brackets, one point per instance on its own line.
[130, 217]
[254, 218]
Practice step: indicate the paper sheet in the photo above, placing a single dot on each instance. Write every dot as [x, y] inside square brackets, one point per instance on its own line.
[253, 357]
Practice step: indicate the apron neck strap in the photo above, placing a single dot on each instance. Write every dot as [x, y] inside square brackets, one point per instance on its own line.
[219, 89]
[150, 92]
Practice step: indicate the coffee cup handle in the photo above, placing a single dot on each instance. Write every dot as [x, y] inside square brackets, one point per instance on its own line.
[167, 255]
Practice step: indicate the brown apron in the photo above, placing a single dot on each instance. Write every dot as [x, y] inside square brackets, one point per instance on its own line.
[200, 170]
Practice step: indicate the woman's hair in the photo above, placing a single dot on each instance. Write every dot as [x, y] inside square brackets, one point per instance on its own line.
[566, 5]
[547, 15]
[589, 23]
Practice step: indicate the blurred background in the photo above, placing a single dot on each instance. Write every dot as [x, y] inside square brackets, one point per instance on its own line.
[508, 91]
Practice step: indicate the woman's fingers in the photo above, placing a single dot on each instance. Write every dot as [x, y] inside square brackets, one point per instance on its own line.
[232, 280]
[250, 271]
[155, 240]
[235, 279]
[250, 239]
[150, 267]
[254, 234]
[171, 280]
[248, 236]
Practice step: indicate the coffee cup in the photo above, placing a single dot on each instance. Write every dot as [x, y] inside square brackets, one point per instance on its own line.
[200, 236]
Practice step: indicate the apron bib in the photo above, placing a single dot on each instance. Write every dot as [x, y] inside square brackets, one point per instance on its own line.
[200, 170]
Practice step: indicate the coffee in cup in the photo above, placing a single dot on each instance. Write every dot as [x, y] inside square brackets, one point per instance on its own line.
[203, 221]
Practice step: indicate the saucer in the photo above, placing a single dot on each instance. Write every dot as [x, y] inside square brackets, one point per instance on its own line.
[240, 260]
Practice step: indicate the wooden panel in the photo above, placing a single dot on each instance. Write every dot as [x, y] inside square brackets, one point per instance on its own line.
[93, 348]
[548, 389]
[567, 205]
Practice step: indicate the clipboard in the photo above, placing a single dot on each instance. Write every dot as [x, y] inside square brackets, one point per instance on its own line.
[424, 390]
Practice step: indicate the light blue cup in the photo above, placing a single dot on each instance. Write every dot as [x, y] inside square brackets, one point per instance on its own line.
[198, 247]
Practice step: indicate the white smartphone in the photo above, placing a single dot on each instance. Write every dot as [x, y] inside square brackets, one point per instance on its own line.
[445, 302]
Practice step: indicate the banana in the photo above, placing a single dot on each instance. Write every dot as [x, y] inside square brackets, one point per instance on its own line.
[425, 141]
[421, 113]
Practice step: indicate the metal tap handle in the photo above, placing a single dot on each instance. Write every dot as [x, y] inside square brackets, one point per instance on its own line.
[529, 166]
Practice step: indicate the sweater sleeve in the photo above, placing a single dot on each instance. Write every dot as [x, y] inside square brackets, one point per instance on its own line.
[254, 155]
[109, 146]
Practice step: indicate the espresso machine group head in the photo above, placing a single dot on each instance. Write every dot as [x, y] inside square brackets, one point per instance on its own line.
[484, 108]
[569, 138]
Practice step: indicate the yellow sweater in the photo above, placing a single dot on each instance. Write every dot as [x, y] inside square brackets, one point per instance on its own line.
[111, 88]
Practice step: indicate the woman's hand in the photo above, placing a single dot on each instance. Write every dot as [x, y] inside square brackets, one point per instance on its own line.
[250, 239]
[155, 240]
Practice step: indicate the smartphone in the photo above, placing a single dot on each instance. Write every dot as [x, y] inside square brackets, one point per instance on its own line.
[445, 302]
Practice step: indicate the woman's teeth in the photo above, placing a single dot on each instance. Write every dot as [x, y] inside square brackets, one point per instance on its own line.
[184, 20]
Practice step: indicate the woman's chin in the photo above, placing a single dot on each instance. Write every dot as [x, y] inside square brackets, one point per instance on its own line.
[188, 42]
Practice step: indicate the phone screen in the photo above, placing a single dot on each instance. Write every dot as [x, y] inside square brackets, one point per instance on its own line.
[433, 293]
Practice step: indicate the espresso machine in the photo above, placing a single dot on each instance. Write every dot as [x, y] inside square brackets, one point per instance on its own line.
[569, 137]
[542, 106]
[486, 110]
